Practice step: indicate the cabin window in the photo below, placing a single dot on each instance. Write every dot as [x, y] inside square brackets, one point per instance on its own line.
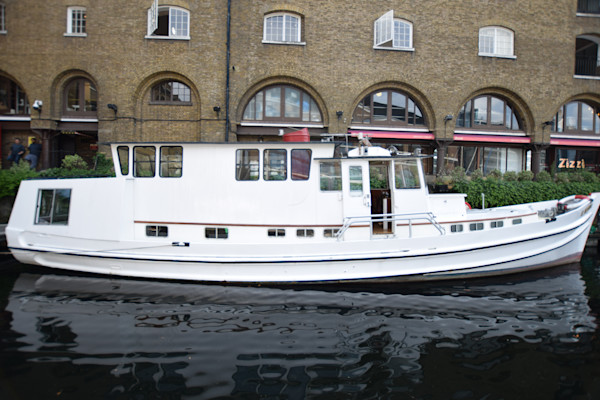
[157, 230]
[216, 233]
[276, 232]
[246, 162]
[53, 206]
[331, 176]
[407, 174]
[275, 165]
[456, 228]
[356, 183]
[144, 158]
[496, 224]
[477, 226]
[123, 153]
[301, 164]
[305, 233]
[517, 221]
[171, 161]
[330, 233]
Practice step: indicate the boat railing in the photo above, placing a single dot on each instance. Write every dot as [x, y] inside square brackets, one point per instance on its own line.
[391, 218]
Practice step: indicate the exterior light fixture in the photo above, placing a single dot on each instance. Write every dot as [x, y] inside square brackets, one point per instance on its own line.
[339, 114]
[448, 117]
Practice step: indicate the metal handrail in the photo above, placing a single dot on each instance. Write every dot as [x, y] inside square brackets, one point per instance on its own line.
[429, 217]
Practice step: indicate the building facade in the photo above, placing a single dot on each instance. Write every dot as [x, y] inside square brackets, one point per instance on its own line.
[489, 84]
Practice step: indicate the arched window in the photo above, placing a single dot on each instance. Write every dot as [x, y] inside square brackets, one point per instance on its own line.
[495, 41]
[168, 22]
[488, 112]
[393, 33]
[577, 117]
[171, 92]
[80, 98]
[282, 103]
[282, 28]
[388, 107]
[12, 98]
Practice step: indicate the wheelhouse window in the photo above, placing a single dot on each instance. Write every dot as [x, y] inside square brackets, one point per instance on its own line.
[406, 174]
[588, 6]
[171, 161]
[144, 159]
[168, 22]
[171, 92]
[13, 100]
[488, 112]
[577, 117]
[123, 153]
[282, 104]
[301, 164]
[587, 56]
[330, 176]
[81, 98]
[388, 107]
[495, 41]
[282, 28]
[247, 165]
[76, 21]
[53, 206]
[2, 18]
[393, 33]
[275, 165]
[355, 180]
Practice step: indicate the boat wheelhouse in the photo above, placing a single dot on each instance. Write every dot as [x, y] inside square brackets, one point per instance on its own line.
[282, 212]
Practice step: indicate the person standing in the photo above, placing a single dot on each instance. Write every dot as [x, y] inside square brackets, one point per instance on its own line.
[35, 150]
[16, 151]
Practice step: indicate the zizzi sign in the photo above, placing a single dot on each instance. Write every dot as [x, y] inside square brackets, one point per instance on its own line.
[566, 163]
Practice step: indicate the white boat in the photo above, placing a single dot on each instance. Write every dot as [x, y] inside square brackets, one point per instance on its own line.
[282, 212]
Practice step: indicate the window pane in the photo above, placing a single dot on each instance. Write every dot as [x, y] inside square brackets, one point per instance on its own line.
[419, 119]
[587, 117]
[273, 102]
[250, 110]
[123, 152]
[91, 97]
[292, 103]
[398, 107]
[571, 116]
[179, 22]
[497, 112]
[291, 29]
[315, 114]
[275, 165]
[402, 34]
[144, 158]
[356, 183]
[301, 164]
[274, 28]
[62, 201]
[246, 162]
[504, 44]
[480, 111]
[45, 200]
[407, 174]
[181, 92]
[486, 40]
[380, 101]
[330, 176]
[73, 97]
[171, 161]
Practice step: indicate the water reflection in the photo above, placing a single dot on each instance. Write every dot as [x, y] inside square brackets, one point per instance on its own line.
[527, 335]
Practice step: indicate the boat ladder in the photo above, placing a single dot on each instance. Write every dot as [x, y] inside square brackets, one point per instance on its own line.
[390, 218]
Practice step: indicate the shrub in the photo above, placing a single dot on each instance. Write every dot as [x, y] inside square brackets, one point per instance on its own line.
[525, 176]
[562, 177]
[510, 176]
[12, 177]
[543, 176]
[495, 174]
[73, 162]
[458, 174]
[477, 174]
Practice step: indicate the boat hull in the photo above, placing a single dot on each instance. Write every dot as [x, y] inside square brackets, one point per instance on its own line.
[550, 243]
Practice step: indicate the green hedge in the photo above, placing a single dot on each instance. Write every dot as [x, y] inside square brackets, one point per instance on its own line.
[500, 192]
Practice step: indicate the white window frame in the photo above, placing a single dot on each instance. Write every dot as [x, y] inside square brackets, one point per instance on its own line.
[70, 11]
[494, 33]
[152, 12]
[296, 36]
[2, 18]
[385, 29]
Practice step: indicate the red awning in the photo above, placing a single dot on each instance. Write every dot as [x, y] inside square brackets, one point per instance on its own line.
[395, 134]
[575, 142]
[460, 137]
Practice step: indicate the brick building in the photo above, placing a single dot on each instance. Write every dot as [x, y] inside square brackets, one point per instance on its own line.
[490, 84]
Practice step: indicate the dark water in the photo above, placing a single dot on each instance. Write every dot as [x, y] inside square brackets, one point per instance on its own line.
[529, 336]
